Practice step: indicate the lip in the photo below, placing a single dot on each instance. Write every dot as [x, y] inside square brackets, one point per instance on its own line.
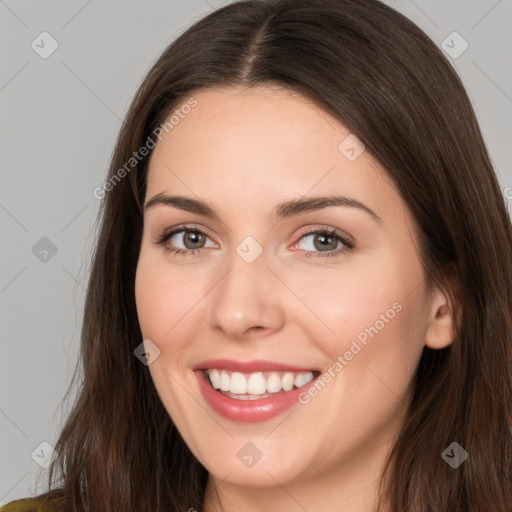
[250, 366]
[249, 411]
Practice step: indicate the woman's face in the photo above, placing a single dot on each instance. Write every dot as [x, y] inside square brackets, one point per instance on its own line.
[279, 286]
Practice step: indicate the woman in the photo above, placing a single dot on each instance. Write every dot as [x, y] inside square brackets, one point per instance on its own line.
[301, 295]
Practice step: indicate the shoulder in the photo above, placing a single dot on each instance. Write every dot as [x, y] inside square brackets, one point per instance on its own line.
[24, 505]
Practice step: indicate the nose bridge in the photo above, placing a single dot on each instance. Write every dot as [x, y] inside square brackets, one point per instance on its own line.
[246, 297]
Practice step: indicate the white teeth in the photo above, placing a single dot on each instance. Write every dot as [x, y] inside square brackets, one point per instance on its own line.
[303, 378]
[254, 385]
[215, 378]
[274, 383]
[225, 381]
[288, 381]
[238, 384]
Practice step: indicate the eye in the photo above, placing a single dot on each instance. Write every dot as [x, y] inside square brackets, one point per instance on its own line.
[318, 242]
[192, 238]
[322, 242]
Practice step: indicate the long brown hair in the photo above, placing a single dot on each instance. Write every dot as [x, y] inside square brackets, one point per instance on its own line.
[381, 76]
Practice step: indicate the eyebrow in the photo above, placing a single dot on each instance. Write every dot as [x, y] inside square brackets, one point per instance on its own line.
[281, 211]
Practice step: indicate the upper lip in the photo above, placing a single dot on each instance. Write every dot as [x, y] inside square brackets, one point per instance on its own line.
[252, 366]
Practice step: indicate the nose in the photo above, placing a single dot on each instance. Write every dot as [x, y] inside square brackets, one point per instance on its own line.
[246, 302]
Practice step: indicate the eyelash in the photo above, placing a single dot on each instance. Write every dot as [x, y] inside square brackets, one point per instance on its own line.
[349, 246]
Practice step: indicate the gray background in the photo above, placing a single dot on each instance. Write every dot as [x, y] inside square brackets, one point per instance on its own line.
[60, 118]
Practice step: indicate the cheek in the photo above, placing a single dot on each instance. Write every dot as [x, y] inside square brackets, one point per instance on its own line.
[165, 299]
[370, 314]
[372, 358]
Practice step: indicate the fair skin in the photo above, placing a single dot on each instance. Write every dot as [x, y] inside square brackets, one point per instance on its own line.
[244, 151]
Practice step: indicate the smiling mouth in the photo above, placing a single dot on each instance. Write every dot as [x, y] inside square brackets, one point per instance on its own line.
[256, 385]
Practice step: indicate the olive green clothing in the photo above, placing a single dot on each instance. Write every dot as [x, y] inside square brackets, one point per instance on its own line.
[24, 505]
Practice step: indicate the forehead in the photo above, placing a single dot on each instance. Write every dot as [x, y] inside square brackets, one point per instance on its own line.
[262, 145]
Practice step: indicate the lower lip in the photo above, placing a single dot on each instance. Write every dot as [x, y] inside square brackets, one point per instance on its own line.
[248, 411]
